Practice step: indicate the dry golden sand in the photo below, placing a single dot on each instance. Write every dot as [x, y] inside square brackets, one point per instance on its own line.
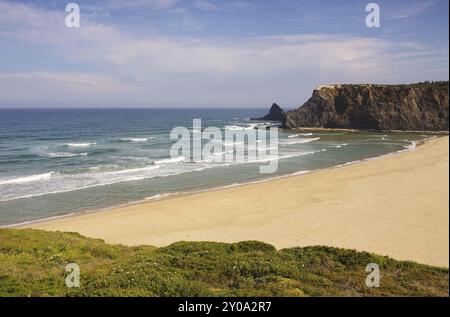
[396, 206]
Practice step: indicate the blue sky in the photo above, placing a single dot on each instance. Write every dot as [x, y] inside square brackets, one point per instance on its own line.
[212, 53]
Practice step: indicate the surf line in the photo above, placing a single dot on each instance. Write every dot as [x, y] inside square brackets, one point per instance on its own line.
[238, 145]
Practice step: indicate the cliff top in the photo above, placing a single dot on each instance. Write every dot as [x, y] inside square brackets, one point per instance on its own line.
[425, 84]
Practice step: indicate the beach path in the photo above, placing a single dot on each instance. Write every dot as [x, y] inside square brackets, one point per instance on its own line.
[395, 206]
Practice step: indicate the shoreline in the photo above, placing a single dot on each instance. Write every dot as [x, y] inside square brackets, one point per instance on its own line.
[186, 217]
[438, 132]
[165, 196]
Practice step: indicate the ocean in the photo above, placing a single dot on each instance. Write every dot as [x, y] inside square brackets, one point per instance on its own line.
[56, 162]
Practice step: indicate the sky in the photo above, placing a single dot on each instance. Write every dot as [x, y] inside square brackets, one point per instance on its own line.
[212, 53]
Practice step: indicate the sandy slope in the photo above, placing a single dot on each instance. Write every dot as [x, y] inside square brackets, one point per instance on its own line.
[396, 206]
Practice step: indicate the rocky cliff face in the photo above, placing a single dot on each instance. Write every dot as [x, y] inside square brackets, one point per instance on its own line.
[375, 107]
[275, 114]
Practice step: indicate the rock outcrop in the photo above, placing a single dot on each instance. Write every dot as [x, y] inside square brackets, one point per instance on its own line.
[420, 107]
[275, 114]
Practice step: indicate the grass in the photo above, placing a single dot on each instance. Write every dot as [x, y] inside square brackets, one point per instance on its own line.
[32, 263]
[442, 85]
[431, 84]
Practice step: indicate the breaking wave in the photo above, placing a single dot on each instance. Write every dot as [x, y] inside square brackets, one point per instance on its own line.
[80, 144]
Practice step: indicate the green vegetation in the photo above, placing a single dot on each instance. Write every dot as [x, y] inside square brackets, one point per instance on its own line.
[425, 84]
[32, 263]
[428, 84]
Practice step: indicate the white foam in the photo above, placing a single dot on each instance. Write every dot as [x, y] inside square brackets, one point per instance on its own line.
[301, 141]
[410, 146]
[241, 128]
[299, 134]
[26, 179]
[300, 154]
[220, 153]
[63, 154]
[300, 173]
[157, 196]
[232, 143]
[53, 183]
[80, 144]
[265, 148]
[136, 139]
[233, 128]
[171, 160]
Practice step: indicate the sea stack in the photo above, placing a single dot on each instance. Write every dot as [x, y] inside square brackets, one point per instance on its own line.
[414, 107]
[275, 114]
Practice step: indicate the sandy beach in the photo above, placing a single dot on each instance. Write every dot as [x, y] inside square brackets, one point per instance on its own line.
[396, 206]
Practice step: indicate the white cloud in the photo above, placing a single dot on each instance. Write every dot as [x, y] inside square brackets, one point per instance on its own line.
[156, 70]
[413, 9]
[106, 5]
[205, 5]
[43, 87]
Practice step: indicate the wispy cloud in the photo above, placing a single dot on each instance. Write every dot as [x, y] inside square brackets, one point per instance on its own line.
[135, 4]
[205, 5]
[156, 69]
[414, 8]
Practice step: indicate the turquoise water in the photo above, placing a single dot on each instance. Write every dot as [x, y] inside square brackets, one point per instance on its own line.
[57, 162]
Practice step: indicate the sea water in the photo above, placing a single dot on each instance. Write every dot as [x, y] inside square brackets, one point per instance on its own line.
[55, 162]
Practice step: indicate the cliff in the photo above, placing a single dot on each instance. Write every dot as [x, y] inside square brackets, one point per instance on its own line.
[375, 107]
[275, 114]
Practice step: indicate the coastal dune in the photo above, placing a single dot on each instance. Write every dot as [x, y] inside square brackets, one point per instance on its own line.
[396, 206]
